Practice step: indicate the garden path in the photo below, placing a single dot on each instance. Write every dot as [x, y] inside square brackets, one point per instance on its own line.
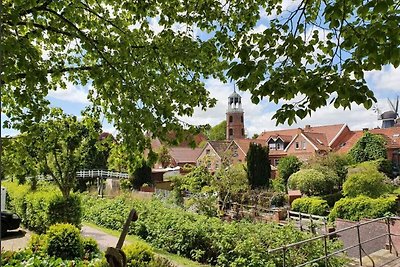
[103, 239]
[15, 240]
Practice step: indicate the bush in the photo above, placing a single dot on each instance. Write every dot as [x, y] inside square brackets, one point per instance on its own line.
[372, 184]
[311, 205]
[138, 254]
[368, 147]
[311, 182]
[331, 199]
[363, 207]
[64, 241]
[38, 244]
[90, 248]
[278, 200]
[44, 207]
[207, 240]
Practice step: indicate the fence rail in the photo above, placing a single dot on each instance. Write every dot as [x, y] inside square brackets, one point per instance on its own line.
[100, 173]
[326, 236]
[312, 220]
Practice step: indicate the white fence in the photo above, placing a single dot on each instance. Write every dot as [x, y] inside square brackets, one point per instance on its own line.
[100, 173]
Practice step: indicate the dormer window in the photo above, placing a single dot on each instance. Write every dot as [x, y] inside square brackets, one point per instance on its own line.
[297, 145]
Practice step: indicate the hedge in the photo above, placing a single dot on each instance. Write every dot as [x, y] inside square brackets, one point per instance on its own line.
[207, 240]
[43, 207]
[311, 205]
[361, 207]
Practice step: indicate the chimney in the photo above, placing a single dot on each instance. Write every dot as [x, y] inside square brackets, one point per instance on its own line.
[307, 127]
[365, 130]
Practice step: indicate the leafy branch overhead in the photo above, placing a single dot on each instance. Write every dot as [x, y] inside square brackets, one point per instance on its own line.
[146, 66]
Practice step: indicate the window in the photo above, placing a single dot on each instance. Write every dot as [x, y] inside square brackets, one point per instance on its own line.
[272, 145]
[297, 145]
[276, 162]
[278, 146]
[241, 118]
[230, 132]
[208, 151]
[303, 144]
[243, 131]
[230, 119]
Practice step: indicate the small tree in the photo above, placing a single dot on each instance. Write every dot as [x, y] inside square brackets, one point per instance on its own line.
[142, 175]
[311, 182]
[331, 161]
[258, 167]
[164, 157]
[369, 147]
[287, 166]
[371, 184]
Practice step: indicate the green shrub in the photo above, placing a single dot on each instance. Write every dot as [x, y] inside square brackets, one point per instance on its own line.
[331, 199]
[207, 240]
[311, 205]
[37, 243]
[278, 199]
[90, 248]
[64, 241]
[311, 182]
[372, 184]
[138, 254]
[43, 207]
[363, 207]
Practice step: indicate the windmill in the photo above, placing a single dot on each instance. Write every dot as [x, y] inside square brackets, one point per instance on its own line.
[390, 117]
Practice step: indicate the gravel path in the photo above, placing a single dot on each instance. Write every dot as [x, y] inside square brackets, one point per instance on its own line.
[103, 239]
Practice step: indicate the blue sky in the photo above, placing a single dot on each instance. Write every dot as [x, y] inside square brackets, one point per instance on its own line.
[384, 83]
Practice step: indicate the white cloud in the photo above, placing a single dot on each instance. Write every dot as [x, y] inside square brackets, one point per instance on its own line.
[387, 79]
[287, 5]
[73, 93]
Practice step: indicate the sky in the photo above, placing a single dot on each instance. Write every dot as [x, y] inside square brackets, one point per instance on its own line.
[258, 118]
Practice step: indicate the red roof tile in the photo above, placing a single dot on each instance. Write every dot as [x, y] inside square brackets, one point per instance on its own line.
[185, 154]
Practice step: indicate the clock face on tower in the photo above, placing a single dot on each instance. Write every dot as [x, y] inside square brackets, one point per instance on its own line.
[235, 118]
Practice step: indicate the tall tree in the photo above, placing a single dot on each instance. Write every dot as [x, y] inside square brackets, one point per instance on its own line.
[369, 147]
[146, 65]
[258, 167]
[218, 132]
[164, 157]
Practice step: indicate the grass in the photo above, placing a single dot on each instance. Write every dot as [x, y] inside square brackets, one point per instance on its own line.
[176, 259]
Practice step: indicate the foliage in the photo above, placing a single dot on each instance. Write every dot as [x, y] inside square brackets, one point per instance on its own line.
[258, 167]
[118, 159]
[311, 205]
[311, 182]
[142, 175]
[207, 240]
[28, 258]
[229, 183]
[138, 254]
[278, 185]
[64, 241]
[218, 132]
[287, 166]
[331, 199]
[57, 146]
[164, 157]
[371, 184]
[368, 147]
[44, 207]
[279, 200]
[363, 207]
[333, 162]
[90, 248]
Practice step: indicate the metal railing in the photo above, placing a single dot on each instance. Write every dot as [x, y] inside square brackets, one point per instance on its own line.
[326, 236]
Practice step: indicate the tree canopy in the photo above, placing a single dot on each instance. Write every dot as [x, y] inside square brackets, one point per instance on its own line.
[218, 132]
[146, 66]
[369, 147]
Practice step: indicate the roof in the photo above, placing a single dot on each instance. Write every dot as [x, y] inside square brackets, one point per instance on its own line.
[234, 94]
[184, 154]
[220, 146]
[244, 144]
[392, 136]
[320, 136]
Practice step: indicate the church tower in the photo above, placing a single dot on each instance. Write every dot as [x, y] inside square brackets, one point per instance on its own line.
[234, 117]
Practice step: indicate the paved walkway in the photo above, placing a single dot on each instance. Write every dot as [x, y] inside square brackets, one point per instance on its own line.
[103, 239]
[15, 240]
